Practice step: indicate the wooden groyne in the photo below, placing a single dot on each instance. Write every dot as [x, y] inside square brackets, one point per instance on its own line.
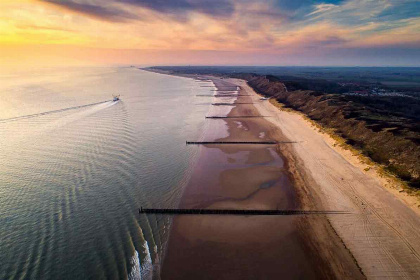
[224, 90]
[238, 142]
[230, 95]
[234, 212]
[234, 117]
[222, 95]
[228, 104]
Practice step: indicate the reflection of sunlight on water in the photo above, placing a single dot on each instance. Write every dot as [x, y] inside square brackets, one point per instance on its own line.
[240, 125]
[5, 120]
[38, 90]
[76, 116]
[87, 168]
[40, 124]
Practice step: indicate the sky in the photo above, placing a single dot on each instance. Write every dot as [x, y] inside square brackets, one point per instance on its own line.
[210, 32]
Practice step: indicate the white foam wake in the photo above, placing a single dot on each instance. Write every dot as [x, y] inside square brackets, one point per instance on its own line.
[141, 270]
[74, 117]
[135, 273]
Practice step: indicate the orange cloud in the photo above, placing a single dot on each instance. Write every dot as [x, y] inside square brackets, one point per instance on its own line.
[249, 27]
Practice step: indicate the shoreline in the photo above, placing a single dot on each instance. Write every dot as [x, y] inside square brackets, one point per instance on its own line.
[245, 181]
[381, 238]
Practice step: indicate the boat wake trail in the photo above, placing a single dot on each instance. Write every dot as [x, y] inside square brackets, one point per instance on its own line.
[52, 112]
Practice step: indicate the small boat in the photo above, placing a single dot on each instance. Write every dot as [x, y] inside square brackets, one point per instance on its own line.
[265, 98]
[115, 97]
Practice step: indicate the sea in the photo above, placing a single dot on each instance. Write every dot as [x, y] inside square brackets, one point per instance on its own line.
[75, 167]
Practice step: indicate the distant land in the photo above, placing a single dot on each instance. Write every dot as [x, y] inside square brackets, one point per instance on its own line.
[374, 109]
[326, 79]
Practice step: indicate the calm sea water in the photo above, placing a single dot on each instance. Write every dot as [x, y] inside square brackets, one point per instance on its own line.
[71, 181]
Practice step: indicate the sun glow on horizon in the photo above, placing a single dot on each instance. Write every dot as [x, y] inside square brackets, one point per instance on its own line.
[72, 29]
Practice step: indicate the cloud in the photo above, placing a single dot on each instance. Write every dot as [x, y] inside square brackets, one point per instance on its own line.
[288, 5]
[37, 27]
[117, 10]
[277, 26]
[110, 13]
[322, 8]
[214, 8]
[367, 19]
[358, 12]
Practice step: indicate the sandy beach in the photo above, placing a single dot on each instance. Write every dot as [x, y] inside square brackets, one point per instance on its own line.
[379, 238]
[383, 231]
[252, 177]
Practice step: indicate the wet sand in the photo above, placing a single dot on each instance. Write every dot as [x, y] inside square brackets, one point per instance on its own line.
[250, 177]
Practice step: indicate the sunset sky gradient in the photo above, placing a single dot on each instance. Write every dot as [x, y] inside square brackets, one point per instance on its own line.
[210, 32]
